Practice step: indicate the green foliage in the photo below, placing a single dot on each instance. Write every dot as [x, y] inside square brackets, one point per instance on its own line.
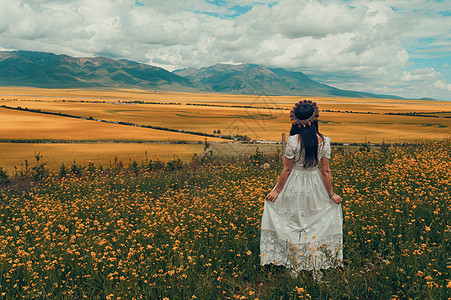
[155, 165]
[3, 176]
[134, 167]
[63, 171]
[365, 148]
[116, 165]
[257, 157]
[240, 137]
[75, 169]
[206, 144]
[39, 171]
[174, 164]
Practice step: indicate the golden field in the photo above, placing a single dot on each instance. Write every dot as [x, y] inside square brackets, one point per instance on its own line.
[54, 155]
[347, 119]
[256, 123]
[32, 126]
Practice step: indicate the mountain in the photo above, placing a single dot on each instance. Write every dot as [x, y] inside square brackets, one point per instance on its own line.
[47, 70]
[251, 79]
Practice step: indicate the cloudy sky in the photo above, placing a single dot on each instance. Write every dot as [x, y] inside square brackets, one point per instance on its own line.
[400, 47]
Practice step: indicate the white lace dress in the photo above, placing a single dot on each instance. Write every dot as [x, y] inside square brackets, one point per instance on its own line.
[302, 228]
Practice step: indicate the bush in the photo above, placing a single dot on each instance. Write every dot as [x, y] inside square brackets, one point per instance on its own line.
[257, 157]
[134, 167]
[364, 148]
[75, 169]
[3, 176]
[39, 171]
[155, 165]
[174, 164]
[63, 171]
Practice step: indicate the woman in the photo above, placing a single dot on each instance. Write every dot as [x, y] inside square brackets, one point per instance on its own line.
[301, 226]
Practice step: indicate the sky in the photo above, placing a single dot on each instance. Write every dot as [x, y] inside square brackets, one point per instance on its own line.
[396, 47]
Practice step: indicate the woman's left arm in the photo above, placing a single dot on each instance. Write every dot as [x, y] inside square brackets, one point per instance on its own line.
[288, 165]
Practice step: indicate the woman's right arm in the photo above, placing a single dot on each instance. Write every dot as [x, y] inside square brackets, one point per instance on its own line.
[327, 179]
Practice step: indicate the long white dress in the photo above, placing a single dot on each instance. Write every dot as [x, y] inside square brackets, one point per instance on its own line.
[303, 228]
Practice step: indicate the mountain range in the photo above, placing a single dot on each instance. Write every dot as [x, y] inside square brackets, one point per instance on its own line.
[251, 79]
[48, 70]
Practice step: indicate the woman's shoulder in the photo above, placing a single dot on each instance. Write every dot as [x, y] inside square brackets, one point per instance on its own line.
[323, 139]
[294, 138]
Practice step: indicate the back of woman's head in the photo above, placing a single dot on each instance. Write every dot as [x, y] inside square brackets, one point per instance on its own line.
[308, 134]
[304, 111]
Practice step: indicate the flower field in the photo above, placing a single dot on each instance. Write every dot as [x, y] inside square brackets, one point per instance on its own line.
[194, 233]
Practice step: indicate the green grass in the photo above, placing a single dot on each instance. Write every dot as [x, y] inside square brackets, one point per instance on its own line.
[434, 125]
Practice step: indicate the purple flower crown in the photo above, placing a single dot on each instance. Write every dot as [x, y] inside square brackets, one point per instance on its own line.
[305, 122]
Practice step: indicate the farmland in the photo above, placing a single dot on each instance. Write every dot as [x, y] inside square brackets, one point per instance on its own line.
[56, 154]
[44, 115]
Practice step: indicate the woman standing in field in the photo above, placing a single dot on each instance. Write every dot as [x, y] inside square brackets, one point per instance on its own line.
[301, 226]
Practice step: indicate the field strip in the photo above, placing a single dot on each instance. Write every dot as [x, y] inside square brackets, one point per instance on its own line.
[344, 120]
[120, 122]
[16, 125]
[54, 154]
[251, 122]
[29, 141]
[431, 114]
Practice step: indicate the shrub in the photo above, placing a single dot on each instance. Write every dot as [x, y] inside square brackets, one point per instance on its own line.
[75, 169]
[3, 176]
[63, 171]
[257, 157]
[174, 164]
[134, 167]
[155, 165]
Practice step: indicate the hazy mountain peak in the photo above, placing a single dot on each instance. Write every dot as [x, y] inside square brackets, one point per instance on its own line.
[48, 70]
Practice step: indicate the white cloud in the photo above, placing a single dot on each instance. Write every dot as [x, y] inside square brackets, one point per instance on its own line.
[420, 75]
[443, 85]
[360, 44]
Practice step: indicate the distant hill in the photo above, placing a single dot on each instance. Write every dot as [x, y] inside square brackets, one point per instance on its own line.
[47, 70]
[251, 79]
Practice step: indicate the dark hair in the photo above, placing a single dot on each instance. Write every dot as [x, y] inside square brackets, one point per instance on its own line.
[309, 140]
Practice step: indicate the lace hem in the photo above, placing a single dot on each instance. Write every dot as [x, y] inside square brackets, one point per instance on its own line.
[316, 254]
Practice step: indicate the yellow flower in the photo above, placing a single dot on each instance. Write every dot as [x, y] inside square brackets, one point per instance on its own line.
[299, 290]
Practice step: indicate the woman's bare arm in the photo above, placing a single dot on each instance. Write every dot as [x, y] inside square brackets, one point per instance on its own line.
[288, 165]
[327, 179]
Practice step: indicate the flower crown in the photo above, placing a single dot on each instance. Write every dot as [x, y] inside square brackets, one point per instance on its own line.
[305, 122]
